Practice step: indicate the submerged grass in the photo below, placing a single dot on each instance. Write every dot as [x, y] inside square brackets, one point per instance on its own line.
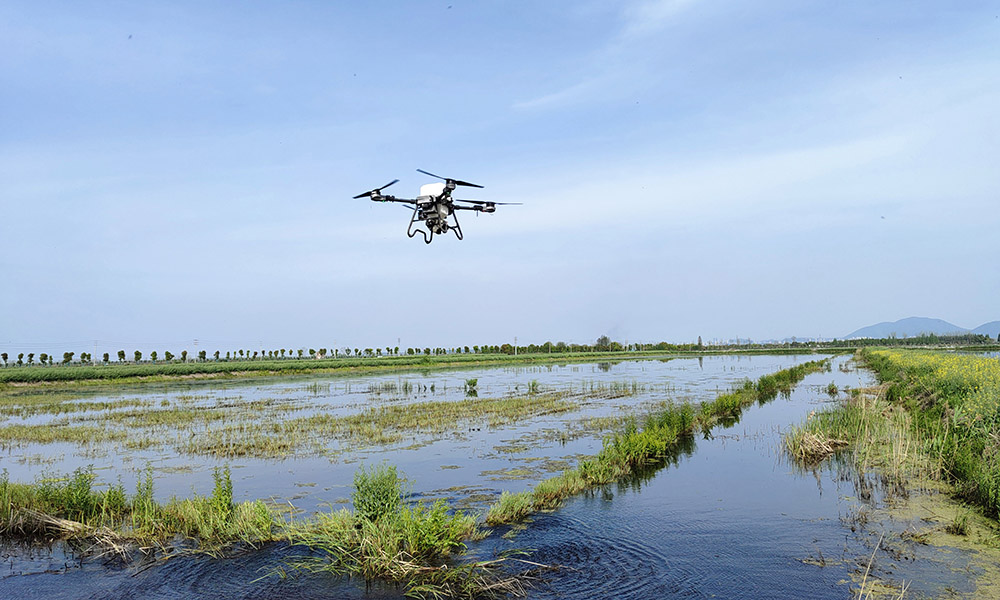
[231, 427]
[377, 425]
[12, 435]
[644, 443]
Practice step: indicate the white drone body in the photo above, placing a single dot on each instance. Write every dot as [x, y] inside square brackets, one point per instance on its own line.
[434, 208]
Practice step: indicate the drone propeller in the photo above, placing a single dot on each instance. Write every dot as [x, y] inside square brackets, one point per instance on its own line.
[377, 191]
[455, 181]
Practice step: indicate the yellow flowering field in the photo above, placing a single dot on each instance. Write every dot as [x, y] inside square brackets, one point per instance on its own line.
[974, 380]
[955, 399]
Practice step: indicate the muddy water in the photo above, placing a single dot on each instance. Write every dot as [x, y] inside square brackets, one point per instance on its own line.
[727, 518]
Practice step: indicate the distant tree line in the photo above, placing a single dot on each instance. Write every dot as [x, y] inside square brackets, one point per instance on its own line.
[602, 344]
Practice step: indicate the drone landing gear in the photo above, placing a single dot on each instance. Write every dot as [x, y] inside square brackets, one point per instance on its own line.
[411, 231]
[434, 225]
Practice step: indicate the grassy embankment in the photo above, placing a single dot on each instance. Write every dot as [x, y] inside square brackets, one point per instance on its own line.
[936, 415]
[641, 446]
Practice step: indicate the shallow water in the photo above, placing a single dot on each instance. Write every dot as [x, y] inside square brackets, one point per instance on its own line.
[728, 518]
[472, 456]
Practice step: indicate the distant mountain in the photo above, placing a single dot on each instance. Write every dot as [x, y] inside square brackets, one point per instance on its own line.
[910, 327]
[991, 329]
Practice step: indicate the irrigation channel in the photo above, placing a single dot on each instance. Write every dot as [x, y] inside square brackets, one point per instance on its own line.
[728, 517]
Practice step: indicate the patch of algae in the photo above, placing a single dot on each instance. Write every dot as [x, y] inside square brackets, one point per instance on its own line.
[934, 545]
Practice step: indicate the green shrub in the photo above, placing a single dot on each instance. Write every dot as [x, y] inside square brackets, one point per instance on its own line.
[377, 492]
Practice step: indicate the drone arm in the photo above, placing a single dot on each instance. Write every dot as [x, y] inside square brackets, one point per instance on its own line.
[392, 199]
[489, 208]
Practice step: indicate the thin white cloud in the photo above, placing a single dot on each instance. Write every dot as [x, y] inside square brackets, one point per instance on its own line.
[644, 18]
[711, 190]
[562, 97]
[617, 67]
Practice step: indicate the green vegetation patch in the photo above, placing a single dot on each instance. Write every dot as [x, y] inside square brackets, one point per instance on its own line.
[70, 507]
[954, 402]
[12, 435]
[231, 427]
[386, 538]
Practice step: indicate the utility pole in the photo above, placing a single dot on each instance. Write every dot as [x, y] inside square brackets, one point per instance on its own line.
[515, 345]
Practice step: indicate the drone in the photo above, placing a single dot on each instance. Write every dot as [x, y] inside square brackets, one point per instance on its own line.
[434, 208]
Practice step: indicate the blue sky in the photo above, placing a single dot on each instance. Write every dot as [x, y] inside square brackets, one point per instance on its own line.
[184, 170]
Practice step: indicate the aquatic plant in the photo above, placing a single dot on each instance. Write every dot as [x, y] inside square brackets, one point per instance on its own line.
[389, 539]
[377, 493]
[872, 434]
[959, 525]
[68, 507]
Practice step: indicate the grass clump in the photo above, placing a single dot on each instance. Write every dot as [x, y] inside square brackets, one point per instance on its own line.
[69, 507]
[641, 445]
[376, 493]
[878, 435]
[959, 525]
[386, 538]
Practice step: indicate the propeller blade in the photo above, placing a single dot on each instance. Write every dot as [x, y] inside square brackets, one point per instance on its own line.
[377, 190]
[466, 183]
[455, 181]
[431, 174]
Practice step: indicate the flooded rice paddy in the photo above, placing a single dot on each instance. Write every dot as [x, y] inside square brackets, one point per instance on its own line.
[728, 517]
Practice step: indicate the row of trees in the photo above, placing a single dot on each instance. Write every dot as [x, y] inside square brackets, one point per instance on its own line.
[603, 344]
